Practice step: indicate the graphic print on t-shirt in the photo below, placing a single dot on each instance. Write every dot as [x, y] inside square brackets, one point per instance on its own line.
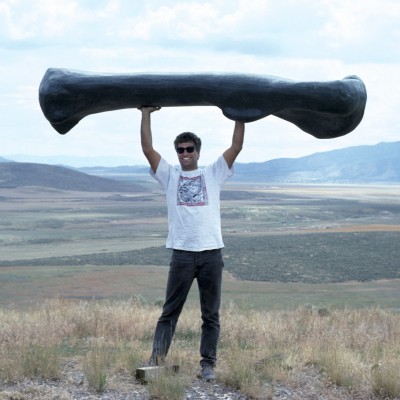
[192, 191]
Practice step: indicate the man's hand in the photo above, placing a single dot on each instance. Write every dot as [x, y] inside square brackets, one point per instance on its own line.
[149, 109]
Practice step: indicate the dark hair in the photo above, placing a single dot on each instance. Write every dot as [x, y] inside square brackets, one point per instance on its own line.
[188, 137]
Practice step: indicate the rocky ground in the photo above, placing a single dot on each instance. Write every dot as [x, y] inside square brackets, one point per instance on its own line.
[73, 386]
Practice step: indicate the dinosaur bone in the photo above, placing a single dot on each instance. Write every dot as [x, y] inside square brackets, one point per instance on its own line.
[322, 109]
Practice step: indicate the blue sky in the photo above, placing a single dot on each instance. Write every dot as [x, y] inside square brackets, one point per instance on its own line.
[302, 40]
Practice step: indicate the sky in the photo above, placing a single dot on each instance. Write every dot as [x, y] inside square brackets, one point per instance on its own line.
[301, 40]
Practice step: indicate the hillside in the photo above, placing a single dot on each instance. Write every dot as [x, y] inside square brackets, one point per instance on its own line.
[360, 164]
[13, 174]
[378, 163]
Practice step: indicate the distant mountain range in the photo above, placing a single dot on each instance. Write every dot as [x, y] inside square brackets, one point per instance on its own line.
[16, 174]
[360, 164]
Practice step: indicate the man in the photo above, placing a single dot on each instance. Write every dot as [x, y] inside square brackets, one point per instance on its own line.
[194, 223]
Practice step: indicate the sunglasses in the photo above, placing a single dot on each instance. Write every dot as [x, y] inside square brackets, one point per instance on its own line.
[181, 150]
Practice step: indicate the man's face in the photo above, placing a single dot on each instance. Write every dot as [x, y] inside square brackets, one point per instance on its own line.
[187, 159]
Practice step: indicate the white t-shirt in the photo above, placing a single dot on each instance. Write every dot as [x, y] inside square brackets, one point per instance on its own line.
[193, 200]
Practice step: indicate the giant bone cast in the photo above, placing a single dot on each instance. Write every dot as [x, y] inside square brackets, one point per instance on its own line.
[322, 109]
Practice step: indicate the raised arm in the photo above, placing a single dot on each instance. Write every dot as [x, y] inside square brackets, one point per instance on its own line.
[237, 144]
[153, 157]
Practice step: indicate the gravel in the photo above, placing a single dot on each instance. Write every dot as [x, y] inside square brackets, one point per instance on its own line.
[72, 385]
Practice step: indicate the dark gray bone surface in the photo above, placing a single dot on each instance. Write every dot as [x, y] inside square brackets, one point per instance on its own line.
[322, 109]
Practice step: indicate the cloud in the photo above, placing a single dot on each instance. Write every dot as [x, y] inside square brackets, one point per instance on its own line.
[363, 29]
[44, 19]
[350, 31]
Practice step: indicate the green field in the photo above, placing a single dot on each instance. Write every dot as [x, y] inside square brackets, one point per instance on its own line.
[285, 246]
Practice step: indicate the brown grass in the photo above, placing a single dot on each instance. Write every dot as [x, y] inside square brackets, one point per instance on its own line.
[357, 350]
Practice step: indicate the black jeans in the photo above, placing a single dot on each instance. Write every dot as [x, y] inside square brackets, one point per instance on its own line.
[206, 267]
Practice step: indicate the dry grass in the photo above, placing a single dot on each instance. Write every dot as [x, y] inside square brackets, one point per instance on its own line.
[355, 349]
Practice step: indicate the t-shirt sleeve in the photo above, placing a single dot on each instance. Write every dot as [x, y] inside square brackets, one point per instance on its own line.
[162, 173]
[221, 170]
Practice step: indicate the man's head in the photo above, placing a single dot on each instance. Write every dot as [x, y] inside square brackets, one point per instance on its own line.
[187, 146]
[188, 137]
